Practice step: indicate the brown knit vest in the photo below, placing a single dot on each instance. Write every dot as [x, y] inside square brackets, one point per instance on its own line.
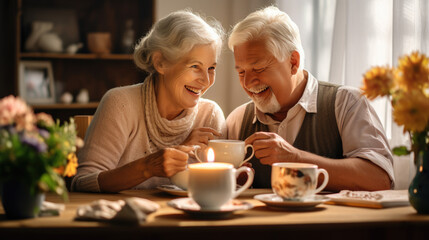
[318, 134]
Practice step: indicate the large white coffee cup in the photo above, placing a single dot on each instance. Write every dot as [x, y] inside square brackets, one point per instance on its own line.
[296, 181]
[211, 185]
[229, 151]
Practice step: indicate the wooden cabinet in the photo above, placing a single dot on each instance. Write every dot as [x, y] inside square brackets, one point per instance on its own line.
[73, 20]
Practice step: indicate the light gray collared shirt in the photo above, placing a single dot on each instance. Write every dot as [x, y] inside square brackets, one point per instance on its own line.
[360, 128]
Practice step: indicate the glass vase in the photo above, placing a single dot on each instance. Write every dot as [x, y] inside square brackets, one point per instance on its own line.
[418, 191]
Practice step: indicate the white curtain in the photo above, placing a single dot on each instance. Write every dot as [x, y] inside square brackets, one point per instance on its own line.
[343, 39]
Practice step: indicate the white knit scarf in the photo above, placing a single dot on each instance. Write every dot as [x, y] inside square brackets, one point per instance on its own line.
[162, 132]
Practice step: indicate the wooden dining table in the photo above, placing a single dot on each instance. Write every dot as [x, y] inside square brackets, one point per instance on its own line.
[325, 221]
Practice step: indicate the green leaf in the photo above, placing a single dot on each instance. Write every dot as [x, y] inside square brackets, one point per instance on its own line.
[401, 151]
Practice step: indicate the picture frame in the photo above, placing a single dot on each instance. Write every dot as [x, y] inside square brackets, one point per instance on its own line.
[36, 82]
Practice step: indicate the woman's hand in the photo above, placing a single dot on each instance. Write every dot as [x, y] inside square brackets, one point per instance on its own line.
[167, 162]
[201, 137]
[164, 163]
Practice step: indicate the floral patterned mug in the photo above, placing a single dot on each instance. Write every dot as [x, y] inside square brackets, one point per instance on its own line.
[296, 181]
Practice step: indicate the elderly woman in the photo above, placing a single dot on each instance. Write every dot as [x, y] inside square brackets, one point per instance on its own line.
[142, 134]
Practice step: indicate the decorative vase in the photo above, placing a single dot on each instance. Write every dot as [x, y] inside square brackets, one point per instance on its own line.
[18, 201]
[419, 188]
[127, 42]
[50, 42]
[38, 29]
[83, 96]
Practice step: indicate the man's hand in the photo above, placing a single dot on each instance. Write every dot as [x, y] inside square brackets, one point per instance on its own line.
[271, 148]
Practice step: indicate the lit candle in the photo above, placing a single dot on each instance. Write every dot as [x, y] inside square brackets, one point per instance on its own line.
[212, 184]
[210, 165]
[210, 155]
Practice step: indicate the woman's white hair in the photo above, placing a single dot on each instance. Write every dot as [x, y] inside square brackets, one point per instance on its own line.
[275, 27]
[176, 35]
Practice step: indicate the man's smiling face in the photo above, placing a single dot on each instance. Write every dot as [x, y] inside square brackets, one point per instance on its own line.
[266, 80]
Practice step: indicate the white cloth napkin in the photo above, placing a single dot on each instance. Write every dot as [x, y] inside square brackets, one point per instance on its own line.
[51, 209]
[130, 210]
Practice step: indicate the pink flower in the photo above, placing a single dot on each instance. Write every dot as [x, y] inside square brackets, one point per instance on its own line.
[15, 110]
[44, 119]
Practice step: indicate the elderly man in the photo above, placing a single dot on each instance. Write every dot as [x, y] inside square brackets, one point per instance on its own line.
[293, 117]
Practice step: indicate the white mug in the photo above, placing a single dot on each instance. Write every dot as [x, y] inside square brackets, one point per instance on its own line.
[229, 151]
[180, 179]
[296, 181]
[211, 185]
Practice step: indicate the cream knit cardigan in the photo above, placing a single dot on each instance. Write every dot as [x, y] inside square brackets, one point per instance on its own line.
[118, 135]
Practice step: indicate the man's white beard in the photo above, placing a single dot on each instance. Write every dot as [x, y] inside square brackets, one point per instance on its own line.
[267, 106]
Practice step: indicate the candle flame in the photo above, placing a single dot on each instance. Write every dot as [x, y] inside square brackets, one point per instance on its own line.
[210, 155]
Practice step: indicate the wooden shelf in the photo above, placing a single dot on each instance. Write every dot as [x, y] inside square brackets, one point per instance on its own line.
[74, 20]
[66, 106]
[28, 55]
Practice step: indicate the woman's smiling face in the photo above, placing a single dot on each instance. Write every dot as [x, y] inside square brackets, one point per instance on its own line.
[182, 83]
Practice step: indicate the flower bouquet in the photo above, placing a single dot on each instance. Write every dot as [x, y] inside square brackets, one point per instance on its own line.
[35, 151]
[407, 88]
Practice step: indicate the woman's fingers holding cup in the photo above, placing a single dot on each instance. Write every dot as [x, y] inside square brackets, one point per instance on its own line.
[185, 148]
[173, 167]
[201, 136]
[204, 139]
[207, 134]
[169, 162]
[210, 130]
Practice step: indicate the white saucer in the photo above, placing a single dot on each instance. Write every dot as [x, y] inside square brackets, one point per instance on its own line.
[173, 190]
[272, 200]
[189, 206]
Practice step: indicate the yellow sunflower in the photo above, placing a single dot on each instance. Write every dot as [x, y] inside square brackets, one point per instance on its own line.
[410, 110]
[72, 164]
[413, 71]
[378, 81]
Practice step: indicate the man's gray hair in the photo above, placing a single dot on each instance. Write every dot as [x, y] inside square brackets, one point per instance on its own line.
[275, 27]
[176, 35]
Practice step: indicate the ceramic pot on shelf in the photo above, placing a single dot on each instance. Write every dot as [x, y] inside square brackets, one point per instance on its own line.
[99, 42]
[418, 191]
[18, 200]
